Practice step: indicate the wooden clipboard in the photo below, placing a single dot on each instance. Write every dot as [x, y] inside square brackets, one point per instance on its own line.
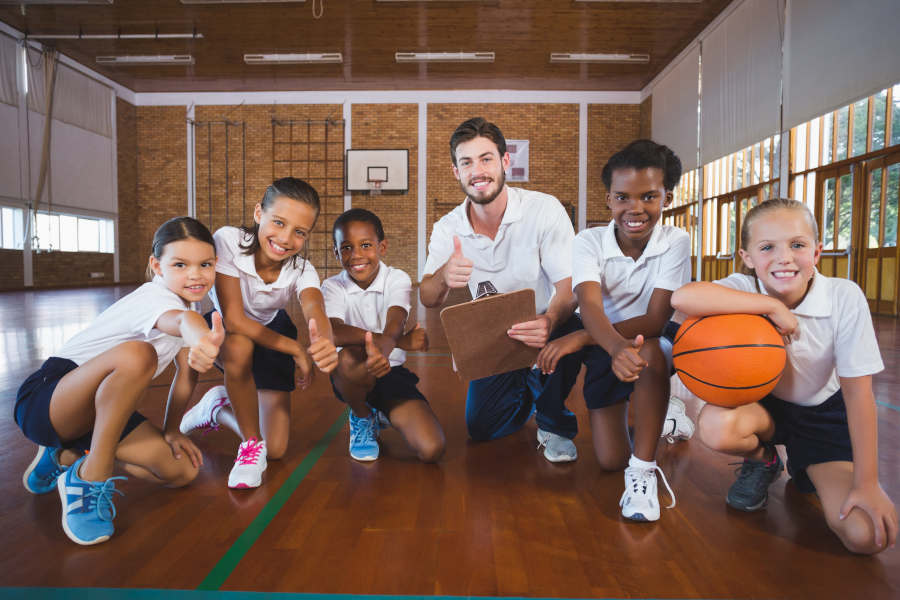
[476, 332]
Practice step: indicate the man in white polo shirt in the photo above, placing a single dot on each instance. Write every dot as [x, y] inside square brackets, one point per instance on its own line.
[516, 239]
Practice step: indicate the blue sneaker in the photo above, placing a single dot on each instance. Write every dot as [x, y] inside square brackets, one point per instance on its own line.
[87, 507]
[364, 437]
[40, 476]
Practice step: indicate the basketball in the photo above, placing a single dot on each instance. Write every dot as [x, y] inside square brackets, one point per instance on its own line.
[729, 360]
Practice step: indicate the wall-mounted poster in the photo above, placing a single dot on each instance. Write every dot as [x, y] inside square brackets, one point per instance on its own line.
[518, 160]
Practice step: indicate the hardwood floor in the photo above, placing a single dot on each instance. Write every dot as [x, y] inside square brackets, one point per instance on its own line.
[491, 519]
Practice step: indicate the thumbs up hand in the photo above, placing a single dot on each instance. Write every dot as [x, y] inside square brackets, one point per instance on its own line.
[458, 268]
[376, 362]
[321, 349]
[415, 340]
[627, 362]
[203, 354]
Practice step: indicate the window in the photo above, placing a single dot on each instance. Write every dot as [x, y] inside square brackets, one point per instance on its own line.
[12, 229]
[71, 233]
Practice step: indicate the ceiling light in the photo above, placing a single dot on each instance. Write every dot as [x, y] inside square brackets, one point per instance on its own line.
[147, 59]
[117, 36]
[293, 59]
[575, 57]
[240, 1]
[444, 57]
[56, 1]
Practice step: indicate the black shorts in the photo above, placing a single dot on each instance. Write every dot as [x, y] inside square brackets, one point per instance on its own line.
[273, 370]
[32, 410]
[390, 391]
[810, 434]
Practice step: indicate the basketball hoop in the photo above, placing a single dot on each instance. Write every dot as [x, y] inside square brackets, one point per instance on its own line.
[375, 187]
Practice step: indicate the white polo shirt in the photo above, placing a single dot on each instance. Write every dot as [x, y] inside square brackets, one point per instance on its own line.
[261, 300]
[532, 248]
[368, 308]
[626, 283]
[131, 319]
[834, 338]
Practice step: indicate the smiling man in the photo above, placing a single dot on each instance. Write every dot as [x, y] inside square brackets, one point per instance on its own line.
[516, 239]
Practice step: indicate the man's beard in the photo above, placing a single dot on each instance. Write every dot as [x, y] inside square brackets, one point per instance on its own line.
[485, 199]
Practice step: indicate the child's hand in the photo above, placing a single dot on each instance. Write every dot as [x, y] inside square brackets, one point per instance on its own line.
[875, 503]
[376, 363]
[321, 349]
[181, 445]
[531, 333]
[203, 354]
[415, 340]
[784, 320]
[555, 350]
[627, 362]
[305, 364]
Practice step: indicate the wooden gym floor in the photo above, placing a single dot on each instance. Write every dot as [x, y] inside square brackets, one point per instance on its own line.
[491, 519]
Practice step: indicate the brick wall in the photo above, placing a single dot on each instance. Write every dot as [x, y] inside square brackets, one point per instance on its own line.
[11, 274]
[646, 117]
[392, 126]
[71, 269]
[132, 257]
[610, 128]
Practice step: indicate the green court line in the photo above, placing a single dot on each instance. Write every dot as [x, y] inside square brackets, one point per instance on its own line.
[886, 405]
[160, 594]
[239, 548]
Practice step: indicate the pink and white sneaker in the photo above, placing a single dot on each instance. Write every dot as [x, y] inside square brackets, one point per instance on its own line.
[249, 465]
[203, 414]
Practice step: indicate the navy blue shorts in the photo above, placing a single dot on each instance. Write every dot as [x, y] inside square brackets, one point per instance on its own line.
[390, 391]
[273, 370]
[32, 411]
[810, 434]
[601, 386]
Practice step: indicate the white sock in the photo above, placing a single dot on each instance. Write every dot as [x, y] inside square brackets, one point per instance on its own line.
[634, 461]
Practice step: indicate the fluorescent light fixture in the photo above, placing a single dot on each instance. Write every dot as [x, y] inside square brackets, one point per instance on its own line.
[583, 57]
[56, 2]
[240, 1]
[147, 59]
[293, 59]
[117, 36]
[401, 57]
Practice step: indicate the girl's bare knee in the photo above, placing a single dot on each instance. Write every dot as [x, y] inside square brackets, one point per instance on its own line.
[431, 450]
[716, 429]
[856, 533]
[181, 473]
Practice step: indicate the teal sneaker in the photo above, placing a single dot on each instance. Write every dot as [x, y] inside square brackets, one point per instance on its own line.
[41, 475]
[87, 506]
[750, 492]
[364, 437]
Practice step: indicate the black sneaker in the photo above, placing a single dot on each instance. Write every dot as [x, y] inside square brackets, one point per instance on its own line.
[751, 490]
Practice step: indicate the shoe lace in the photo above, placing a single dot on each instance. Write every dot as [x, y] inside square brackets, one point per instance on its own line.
[100, 496]
[363, 429]
[750, 472]
[640, 482]
[670, 436]
[249, 451]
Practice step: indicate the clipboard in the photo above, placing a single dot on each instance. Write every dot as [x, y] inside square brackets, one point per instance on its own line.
[476, 333]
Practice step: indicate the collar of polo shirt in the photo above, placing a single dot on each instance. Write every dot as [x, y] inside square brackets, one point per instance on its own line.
[817, 302]
[655, 246]
[376, 286]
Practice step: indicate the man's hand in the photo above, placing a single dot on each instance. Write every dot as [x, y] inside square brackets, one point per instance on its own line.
[532, 333]
[458, 268]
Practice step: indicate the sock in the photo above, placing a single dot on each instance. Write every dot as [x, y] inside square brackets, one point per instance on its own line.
[634, 461]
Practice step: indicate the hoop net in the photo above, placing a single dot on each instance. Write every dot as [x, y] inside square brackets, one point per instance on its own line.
[375, 187]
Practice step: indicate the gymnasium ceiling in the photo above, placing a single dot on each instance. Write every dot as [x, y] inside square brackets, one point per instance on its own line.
[521, 33]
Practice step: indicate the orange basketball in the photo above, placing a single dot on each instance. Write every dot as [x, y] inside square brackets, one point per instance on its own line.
[729, 360]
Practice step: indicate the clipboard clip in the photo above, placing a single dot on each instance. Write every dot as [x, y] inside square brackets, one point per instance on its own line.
[485, 289]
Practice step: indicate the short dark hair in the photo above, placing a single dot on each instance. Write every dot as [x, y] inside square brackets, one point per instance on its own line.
[643, 154]
[289, 187]
[175, 230]
[473, 128]
[361, 215]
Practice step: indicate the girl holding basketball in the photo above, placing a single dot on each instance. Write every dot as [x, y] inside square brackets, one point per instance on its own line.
[823, 408]
[259, 269]
[84, 397]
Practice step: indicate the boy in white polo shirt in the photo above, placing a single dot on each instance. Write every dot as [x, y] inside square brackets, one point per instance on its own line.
[515, 239]
[368, 303]
[623, 276]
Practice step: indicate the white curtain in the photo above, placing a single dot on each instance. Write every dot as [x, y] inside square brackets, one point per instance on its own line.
[741, 79]
[9, 51]
[838, 52]
[674, 112]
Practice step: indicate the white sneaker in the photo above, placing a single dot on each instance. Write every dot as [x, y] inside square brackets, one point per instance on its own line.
[249, 465]
[640, 501]
[677, 426]
[556, 447]
[203, 414]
